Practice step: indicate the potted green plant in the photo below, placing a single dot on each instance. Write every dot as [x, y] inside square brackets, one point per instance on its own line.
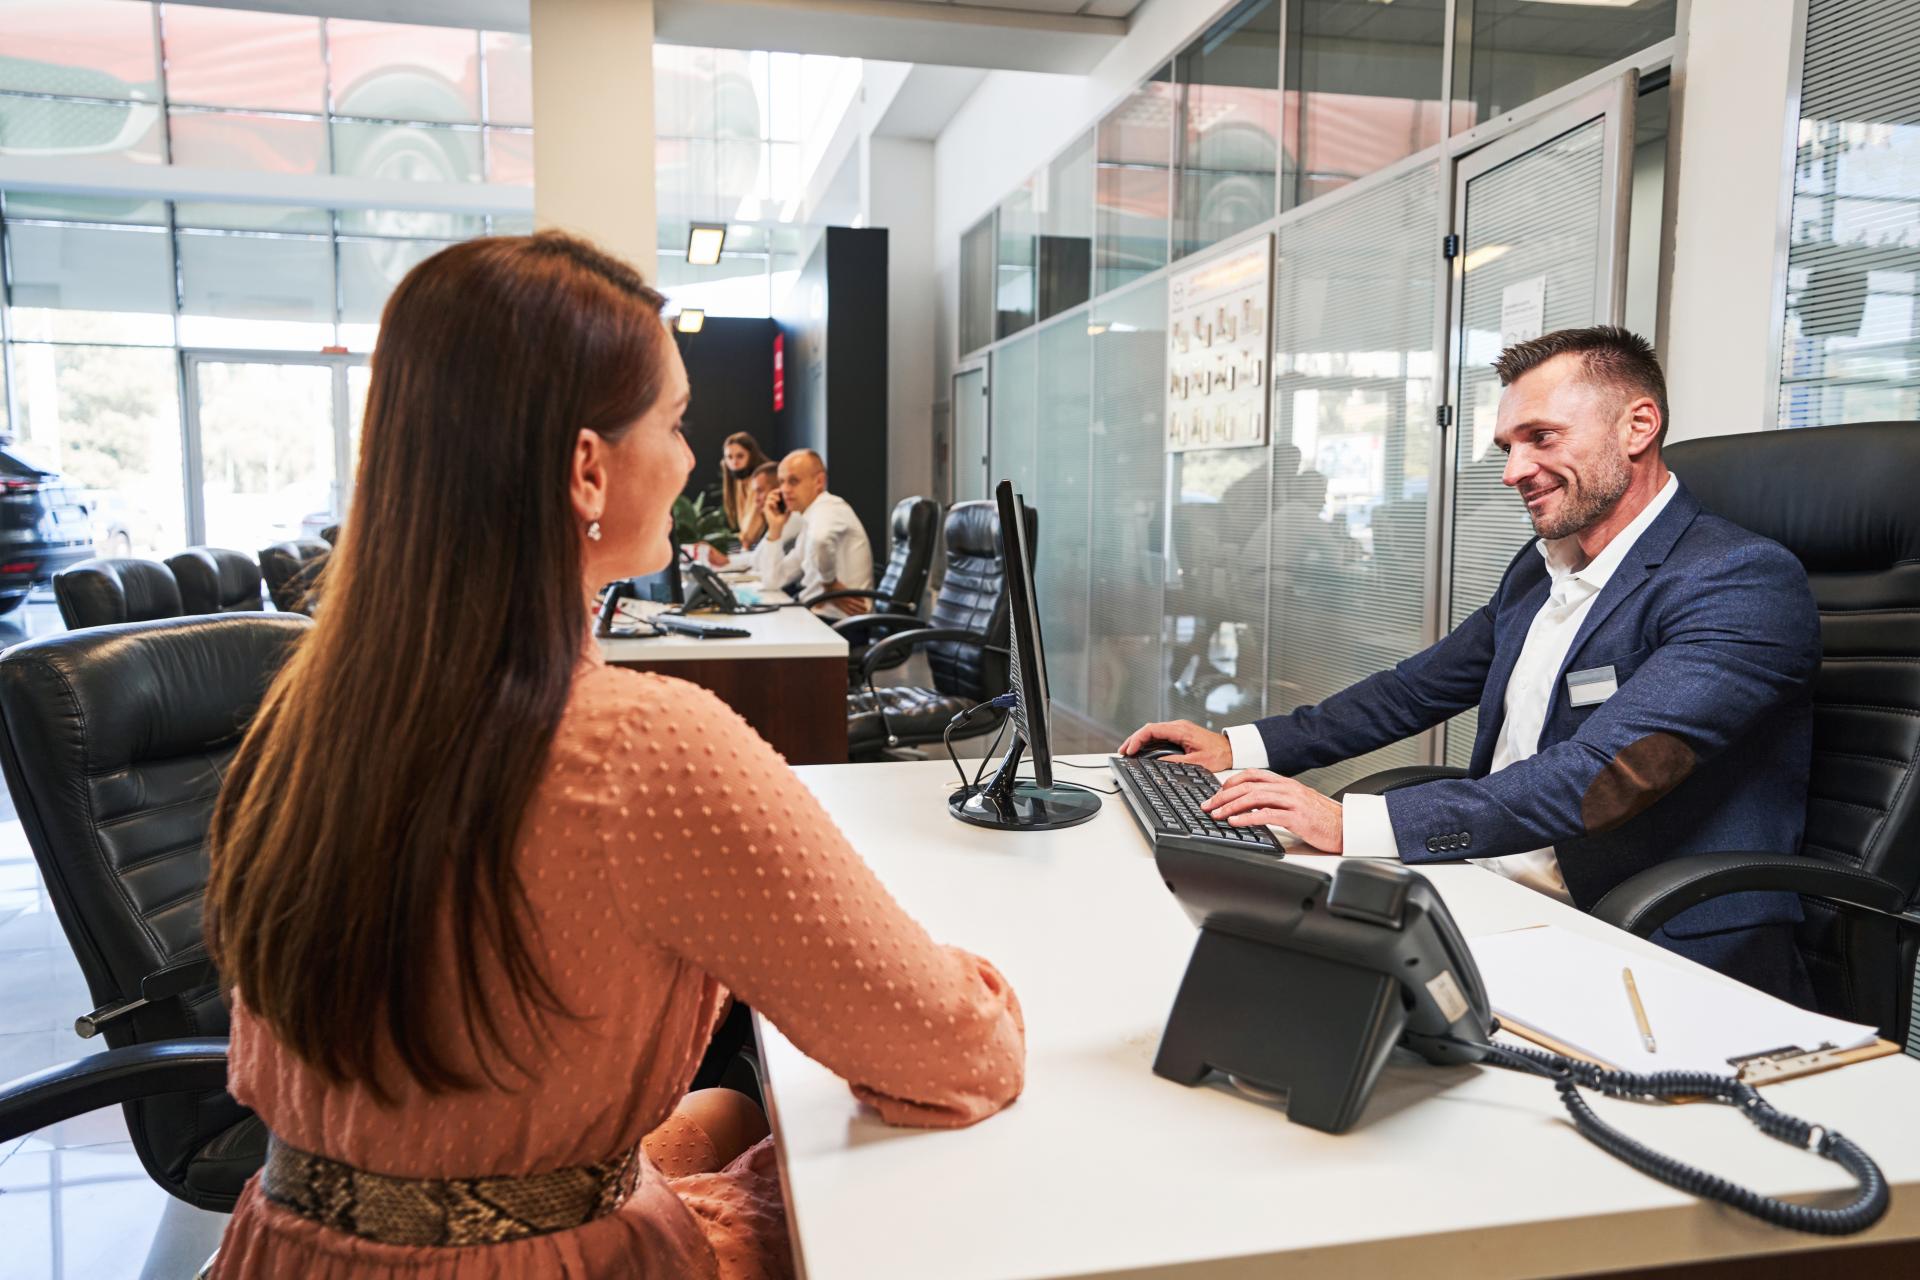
[695, 521]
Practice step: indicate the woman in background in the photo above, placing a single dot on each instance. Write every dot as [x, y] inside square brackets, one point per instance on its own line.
[738, 461]
[481, 898]
[740, 457]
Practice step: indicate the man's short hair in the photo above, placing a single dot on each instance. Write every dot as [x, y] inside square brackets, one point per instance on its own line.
[769, 469]
[1617, 357]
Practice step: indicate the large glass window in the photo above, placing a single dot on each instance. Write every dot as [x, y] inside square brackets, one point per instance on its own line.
[1851, 334]
[1064, 261]
[256, 291]
[1017, 232]
[91, 284]
[266, 451]
[1509, 52]
[387, 71]
[80, 48]
[1363, 89]
[108, 419]
[1229, 127]
[976, 285]
[238, 58]
[1133, 184]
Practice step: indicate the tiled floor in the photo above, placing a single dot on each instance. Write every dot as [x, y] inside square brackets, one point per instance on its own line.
[74, 1201]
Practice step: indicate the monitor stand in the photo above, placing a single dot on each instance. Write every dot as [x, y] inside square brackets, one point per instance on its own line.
[1007, 803]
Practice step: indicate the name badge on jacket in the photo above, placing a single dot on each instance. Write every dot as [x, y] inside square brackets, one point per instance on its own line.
[1595, 684]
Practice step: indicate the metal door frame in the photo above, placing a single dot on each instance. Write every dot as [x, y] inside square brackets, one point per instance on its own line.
[191, 358]
[1613, 103]
[967, 368]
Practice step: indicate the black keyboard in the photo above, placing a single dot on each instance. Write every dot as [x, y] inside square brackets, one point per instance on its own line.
[1165, 798]
[699, 630]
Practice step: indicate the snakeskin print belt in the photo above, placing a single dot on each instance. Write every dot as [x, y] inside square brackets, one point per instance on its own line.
[444, 1211]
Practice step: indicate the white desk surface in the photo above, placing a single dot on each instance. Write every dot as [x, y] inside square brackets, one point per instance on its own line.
[784, 633]
[1103, 1168]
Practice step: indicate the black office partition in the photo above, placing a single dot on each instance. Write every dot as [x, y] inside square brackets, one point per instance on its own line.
[730, 370]
[835, 322]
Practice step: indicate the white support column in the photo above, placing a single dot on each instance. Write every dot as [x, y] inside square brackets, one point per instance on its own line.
[1738, 102]
[593, 121]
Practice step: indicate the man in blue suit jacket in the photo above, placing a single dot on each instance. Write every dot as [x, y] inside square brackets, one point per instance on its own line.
[1643, 676]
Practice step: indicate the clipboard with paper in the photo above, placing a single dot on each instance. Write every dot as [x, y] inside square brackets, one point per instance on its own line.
[1563, 991]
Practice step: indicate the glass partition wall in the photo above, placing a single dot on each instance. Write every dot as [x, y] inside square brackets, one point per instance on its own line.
[1220, 585]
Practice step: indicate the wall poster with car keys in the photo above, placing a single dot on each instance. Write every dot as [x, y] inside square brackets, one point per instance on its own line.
[1219, 349]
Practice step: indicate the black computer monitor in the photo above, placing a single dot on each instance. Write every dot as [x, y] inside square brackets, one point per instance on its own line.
[1008, 801]
[664, 586]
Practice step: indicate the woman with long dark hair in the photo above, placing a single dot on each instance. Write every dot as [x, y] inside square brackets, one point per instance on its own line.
[480, 898]
[740, 457]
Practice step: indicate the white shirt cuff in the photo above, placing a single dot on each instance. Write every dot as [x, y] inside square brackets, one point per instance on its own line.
[1365, 829]
[1249, 748]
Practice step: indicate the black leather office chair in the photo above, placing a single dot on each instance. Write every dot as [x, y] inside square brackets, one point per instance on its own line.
[966, 646]
[95, 593]
[896, 601]
[216, 580]
[292, 570]
[1841, 499]
[114, 741]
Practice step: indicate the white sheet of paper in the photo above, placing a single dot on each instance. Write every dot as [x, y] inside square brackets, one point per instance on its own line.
[1569, 986]
[1523, 311]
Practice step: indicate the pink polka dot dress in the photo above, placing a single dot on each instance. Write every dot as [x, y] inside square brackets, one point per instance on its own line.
[670, 857]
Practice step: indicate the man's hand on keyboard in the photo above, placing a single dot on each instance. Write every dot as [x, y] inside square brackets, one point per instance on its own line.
[1255, 796]
[1203, 747]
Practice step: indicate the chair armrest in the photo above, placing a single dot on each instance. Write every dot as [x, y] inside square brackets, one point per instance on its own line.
[905, 642]
[1378, 784]
[859, 622]
[1644, 902]
[845, 593]
[105, 1079]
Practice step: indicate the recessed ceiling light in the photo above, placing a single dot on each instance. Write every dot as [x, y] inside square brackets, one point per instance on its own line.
[692, 320]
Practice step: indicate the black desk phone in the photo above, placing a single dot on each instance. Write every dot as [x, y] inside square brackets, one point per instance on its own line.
[710, 591]
[1304, 983]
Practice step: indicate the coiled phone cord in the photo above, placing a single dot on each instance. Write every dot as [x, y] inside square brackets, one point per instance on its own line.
[1570, 1076]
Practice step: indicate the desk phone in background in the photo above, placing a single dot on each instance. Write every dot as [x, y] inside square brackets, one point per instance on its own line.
[710, 591]
[1303, 983]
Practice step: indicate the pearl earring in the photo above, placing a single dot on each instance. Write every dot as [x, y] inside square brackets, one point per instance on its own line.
[593, 530]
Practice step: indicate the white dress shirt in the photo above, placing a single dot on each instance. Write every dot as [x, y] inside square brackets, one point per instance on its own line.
[1367, 832]
[832, 548]
[767, 553]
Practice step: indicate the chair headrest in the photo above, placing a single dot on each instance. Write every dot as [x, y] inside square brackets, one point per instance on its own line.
[973, 529]
[214, 579]
[910, 515]
[117, 695]
[298, 551]
[96, 592]
[1840, 498]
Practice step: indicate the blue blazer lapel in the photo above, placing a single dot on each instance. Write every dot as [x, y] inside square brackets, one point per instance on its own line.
[1647, 555]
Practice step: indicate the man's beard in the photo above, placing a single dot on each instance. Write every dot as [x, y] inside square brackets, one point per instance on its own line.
[1590, 502]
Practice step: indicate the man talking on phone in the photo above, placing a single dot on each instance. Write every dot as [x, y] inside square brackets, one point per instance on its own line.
[832, 552]
[1643, 675]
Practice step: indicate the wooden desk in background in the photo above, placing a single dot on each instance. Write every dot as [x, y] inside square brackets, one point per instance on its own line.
[788, 678]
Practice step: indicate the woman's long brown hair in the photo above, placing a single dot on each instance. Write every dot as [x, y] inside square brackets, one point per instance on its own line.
[736, 496]
[377, 797]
